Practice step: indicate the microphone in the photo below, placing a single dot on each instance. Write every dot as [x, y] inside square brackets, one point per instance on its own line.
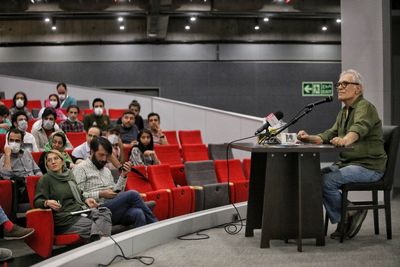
[319, 102]
[272, 118]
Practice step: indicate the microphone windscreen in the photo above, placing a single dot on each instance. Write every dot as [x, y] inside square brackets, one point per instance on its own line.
[278, 115]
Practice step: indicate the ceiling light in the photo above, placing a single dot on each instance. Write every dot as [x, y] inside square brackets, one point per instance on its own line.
[266, 19]
[324, 28]
[122, 27]
[187, 27]
[32, 1]
[338, 20]
[47, 20]
[256, 27]
[54, 27]
[193, 18]
[120, 19]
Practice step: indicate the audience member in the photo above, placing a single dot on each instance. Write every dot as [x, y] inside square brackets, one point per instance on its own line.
[113, 135]
[82, 151]
[19, 104]
[54, 102]
[98, 117]
[134, 106]
[72, 124]
[96, 180]
[44, 127]
[143, 153]
[154, 125]
[11, 232]
[57, 141]
[20, 120]
[65, 99]
[57, 190]
[16, 164]
[5, 123]
[128, 129]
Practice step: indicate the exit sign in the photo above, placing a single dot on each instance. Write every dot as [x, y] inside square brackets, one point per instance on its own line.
[317, 89]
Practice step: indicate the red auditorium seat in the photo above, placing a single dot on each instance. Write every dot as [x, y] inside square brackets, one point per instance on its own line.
[190, 137]
[115, 114]
[43, 239]
[236, 176]
[36, 156]
[246, 167]
[76, 138]
[7, 197]
[194, 152]
[30, 124]
[162, 197]
[7, 102]
[2, 142]
[127, 151]
[183, 198]
[34, 104]
[169, 154]
[171, 137]
[88, 111]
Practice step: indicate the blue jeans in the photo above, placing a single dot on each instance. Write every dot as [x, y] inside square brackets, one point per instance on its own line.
[333, 178]
[3, 216]
[128, 208]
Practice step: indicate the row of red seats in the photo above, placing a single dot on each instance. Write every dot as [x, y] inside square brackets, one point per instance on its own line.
[32, 104]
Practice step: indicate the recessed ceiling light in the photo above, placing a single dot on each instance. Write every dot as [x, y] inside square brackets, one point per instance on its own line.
[266, 19]
[324, 28]
[256, 27]
[338, 20]
[120, 19]
[193, 18]
[47, 20]
[122, 27]
[54, 27]
[187, 27]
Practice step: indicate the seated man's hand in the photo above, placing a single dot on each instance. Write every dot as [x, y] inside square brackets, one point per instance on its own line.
[126, 168]
[7, 150]
[91, 202]
[302, 136]
[108, 193]
[337, 141]
[53, 204]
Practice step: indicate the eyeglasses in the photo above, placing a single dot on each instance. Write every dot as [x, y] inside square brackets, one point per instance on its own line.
[344, 84]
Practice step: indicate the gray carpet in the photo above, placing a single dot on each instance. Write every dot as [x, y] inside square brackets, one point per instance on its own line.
[222, 249]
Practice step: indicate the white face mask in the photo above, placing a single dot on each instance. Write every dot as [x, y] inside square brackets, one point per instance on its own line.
[22, 125]
[48, 124]
[71, 119]
[15, 147]
[19, 103]
[98, 111]
[113, 138]
[61, 97]
[53, 104]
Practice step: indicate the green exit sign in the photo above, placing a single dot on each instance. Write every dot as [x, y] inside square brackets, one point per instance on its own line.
[317, 88]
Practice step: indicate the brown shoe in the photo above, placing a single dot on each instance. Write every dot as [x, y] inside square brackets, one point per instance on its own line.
[18, 232]
[356, 222]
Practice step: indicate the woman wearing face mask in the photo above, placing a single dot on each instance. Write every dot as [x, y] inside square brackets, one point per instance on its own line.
[19, 120]
[57, 190]
[19, 104]
[57, 141]
[143, 153]
[118, 157]
[54, 102]
[44, 127]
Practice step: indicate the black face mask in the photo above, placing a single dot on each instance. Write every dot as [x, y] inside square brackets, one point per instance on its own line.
[98, 163]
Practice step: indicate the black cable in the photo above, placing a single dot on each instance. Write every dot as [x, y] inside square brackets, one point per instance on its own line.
[232, 228]
[198, 233]
[139, 258]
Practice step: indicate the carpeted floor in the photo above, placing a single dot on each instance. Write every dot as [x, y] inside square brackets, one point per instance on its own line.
[222, 249]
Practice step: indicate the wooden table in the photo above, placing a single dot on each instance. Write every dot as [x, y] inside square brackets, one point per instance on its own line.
[285, 192]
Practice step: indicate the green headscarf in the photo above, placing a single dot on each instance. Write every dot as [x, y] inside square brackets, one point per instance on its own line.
[65, 175]
[48, 146]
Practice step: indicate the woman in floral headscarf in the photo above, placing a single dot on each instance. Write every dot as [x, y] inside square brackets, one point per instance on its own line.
[57, 141]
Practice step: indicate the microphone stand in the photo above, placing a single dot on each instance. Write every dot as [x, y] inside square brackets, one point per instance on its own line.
[272, 138]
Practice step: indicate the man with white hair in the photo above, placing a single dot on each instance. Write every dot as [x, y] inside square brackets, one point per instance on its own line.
[357, 125]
